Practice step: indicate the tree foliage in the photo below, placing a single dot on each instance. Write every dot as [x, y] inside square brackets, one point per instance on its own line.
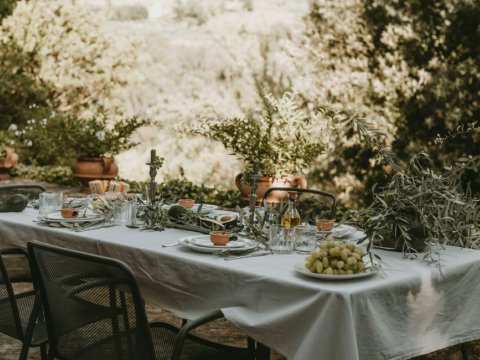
[412, 66]
[57, 54]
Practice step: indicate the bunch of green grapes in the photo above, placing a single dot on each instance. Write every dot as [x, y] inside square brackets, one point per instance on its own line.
[336, 258]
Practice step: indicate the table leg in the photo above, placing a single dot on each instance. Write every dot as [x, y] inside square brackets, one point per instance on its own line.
[464, 351]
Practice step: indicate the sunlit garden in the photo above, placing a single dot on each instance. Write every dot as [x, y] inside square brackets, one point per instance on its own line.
[239, 179]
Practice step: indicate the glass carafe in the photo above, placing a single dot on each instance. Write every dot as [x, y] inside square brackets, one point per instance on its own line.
[291, 218]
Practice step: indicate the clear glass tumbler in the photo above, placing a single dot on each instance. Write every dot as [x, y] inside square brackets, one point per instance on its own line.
[122, 212]
[138, 213]
[281, 239]
[305, 238]
[50, 202]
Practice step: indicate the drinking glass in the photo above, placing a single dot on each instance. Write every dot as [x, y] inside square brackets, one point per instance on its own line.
[122, 212]
[60, 199]
[50, 202]
[305, 238]
[281, 239]
[138, 211]
[258, 209]
[273, 217]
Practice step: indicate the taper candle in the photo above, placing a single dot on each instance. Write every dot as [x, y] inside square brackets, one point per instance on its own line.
[153, 155]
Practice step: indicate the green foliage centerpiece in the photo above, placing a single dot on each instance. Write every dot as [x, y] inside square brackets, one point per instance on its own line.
[280, 135]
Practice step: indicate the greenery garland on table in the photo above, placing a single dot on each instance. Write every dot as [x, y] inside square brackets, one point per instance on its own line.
[418, 208]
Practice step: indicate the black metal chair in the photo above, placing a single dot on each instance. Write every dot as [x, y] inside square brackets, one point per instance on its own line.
[94, 310]
[16, 309]
[311, 204]
[31, 191]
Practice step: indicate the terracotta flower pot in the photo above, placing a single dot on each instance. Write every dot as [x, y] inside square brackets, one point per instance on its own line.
[87, 169]
[267, 182]
[9, 160]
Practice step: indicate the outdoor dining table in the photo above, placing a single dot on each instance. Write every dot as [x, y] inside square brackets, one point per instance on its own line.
[410, 311]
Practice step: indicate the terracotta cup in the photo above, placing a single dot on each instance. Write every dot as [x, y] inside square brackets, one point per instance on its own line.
[325, 225]
[188, 203]
[69, 213]
[220, 238]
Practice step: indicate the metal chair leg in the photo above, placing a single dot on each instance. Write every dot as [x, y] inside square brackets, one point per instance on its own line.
[263, 352]
[251, 348]
[463, 346]
[184, 322]
[43, 352]
[50, 355]
[27, 339]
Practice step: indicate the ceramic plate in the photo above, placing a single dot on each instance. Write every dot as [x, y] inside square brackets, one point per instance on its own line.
[300, 267]
[205, 242]
[336, 228]
[57, 217]
[343, 230]
[186, 241]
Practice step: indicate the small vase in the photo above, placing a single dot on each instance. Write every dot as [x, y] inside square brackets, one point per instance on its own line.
[87, 169]
[9, 160]
[267, 182]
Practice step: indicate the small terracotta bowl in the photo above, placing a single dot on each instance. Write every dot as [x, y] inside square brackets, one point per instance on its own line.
[220, 238]
[188, 203]
[69, 213]
[325, 225]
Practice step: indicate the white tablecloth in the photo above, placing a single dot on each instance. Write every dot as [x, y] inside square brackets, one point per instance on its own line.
[411, 312]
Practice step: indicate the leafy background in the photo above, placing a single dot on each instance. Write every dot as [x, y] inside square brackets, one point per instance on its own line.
[410, 66]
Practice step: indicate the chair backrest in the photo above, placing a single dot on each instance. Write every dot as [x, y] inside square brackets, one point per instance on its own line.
[92, 304]
[311, 204]
[33, 191]
[10, 323]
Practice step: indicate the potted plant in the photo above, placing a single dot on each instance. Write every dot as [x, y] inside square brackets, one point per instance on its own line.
[58, 138]
[8, 157]
[419, 210]
[284, 139]
[97, 142]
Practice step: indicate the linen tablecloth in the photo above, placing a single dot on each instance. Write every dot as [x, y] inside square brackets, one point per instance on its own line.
[411, 312]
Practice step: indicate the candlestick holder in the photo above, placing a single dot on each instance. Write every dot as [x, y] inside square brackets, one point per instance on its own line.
[252, 198]
[153, 183]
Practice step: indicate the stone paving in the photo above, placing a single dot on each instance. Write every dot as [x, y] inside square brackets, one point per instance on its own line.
[221, 331]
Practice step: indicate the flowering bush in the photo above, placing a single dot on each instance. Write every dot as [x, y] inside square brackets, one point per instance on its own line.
[58, 138]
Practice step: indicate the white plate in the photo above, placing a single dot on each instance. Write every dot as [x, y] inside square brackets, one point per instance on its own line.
[57, 217]
[300, 267]
[205, 242]
[208, 250]
[336, 228]
[206, 208]
[342, 231]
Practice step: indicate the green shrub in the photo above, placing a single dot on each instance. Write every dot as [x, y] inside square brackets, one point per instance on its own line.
[54, 174]
[56, 138]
